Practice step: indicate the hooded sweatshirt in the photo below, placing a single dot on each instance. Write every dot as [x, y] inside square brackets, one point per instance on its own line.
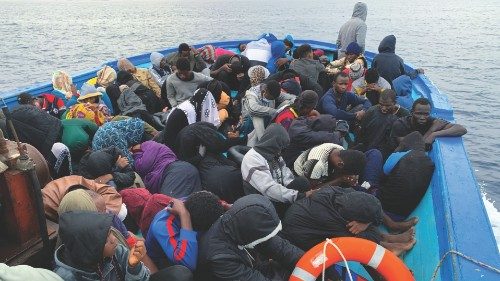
[403, 88]
[327, 212]
[278, 50]
[265, 171]
[158, 74]
[252, 222]
[407, 181]
[354, 30]
[84, 235]
[151, 161]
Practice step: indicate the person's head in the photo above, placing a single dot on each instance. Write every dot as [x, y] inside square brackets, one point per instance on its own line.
[387, 101]
[123, 77]
[340, 82]
[126, 65]
[348, 162]
[106, 76]
[86, 238]
[184, 50]
[271, 90]
[26, 98]
[183, 68]
[235, 65]
[352, 52]
[89, 94]
[289, 42]
[371, 76]
[257, 74]
[291, 86]
[272, 142]
[306, 102]
[305, 51]
[242, 47]
[421, 111]
[204, 208]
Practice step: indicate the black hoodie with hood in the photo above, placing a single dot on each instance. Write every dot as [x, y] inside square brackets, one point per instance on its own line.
[306, 133]
[407, 182]
[327, 212]
[251, 223]
[84, 235]
[389, 65]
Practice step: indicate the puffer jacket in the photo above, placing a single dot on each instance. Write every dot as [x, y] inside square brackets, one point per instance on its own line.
[251, 223]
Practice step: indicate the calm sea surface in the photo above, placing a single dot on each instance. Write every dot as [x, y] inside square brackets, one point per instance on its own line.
[456, 42]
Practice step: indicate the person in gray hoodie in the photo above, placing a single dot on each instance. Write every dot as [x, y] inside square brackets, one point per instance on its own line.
[160, 69]
[354, 30]
[389, 65]
[264, 171]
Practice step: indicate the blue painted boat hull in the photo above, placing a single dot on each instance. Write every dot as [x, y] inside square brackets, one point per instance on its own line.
[452, 214]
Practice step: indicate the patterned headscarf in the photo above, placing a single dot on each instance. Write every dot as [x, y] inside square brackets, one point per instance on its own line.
[61, 152]
[257, 74]
[61, 81]
[207, 52]
[201, 107]
[106, 76]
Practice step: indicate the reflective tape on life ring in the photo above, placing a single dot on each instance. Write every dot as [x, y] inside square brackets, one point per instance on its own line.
[310, 266]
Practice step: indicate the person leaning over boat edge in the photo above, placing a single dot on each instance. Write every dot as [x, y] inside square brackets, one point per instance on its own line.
[421, 121]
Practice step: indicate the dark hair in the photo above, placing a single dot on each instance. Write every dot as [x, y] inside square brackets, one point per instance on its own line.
[340, 74]
[183, 64]
[354, 161]
[183, 47]
[205, 208]
[25, 98]
[388, 94]
[214, 86]
[273, 88]
[304, 50]
[122, 77]
[371, 75]
[422, 101]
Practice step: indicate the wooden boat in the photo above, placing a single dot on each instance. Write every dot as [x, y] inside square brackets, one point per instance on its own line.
[454, 234]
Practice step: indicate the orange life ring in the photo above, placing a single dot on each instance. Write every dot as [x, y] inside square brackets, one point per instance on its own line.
[310, 266]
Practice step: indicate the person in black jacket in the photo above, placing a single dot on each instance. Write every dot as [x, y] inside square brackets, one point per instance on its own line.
[340, 212]
[307, 132]
[225, 249]
[108, 165]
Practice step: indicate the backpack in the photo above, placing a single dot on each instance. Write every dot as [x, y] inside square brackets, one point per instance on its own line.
[52, 105]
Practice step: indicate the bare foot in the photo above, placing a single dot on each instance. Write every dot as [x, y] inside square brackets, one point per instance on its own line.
[399, 248]
[399, 238]
[401, 226]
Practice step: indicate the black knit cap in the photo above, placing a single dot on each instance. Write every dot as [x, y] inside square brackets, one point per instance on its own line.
[183, 47]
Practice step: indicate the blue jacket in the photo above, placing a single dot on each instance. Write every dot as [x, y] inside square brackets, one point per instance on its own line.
[166, 239]
[403, 87]
[328, 105]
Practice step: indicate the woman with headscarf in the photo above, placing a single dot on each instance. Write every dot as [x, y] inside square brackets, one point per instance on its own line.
[200, 107]
[302, 106]
[162, 172]
[63, 87]
[160, 69]
[89, 106]
[63, 165]
[121, 134]
[140, 74]
[108, 165]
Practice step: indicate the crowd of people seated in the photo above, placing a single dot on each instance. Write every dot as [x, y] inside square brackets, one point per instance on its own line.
[229, 164]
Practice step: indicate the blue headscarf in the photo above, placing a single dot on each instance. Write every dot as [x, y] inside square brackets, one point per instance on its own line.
[402, 86]
[278, 50]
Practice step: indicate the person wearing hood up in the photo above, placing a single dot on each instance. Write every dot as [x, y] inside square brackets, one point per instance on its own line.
[408, 173]
[162, 172]
[307, 132]
[389, 65]
[354, 30]
[278, 60]
[341, 212]
[377, 123]
[303, 105]
[160, 69]
[108, 165]
[421, 121]
[403, 88]
[140, 74]
[264, 171]
[250, 226]
[90, 251]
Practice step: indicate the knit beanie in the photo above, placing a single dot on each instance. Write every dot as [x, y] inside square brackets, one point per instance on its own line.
[353, 48]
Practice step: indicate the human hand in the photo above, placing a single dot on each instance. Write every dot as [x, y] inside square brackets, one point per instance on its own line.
[165, 109]
[233, 135]
[281, 61]
[360, 114]
[350, 180]
[136, 254]
[429, 139]
[374, 87]
[177, 207]
[311, 192]
[104, 178]
[314, 113]
[227, 67]
[122, 162]
[356, 227]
